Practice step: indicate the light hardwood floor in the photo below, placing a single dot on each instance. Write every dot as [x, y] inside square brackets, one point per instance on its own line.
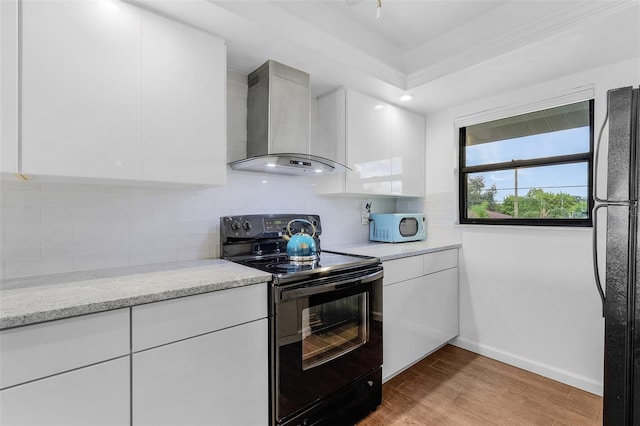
[453, 386]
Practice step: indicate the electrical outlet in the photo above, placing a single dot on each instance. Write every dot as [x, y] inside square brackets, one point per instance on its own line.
[366, 212]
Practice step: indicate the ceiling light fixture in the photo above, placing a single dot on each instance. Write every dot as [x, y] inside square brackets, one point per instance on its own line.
[378, 107]
[406, 98]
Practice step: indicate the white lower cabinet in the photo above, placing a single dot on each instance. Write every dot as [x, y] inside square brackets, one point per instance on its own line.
[72, 371]
[420, 305]
[196, 360]
[403, 326]
[219, 378]
[95, 395]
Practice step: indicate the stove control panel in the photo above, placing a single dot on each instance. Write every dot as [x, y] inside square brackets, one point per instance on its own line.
[259, 227]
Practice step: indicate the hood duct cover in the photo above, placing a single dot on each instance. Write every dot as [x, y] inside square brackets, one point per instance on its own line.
[279, 123]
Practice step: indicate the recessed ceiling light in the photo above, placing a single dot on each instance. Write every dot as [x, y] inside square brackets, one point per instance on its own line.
[318, 170]
[271, 165]
[378, 107]
[406, 98]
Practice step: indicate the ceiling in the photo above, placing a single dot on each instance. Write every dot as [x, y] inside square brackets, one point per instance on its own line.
[443, 52]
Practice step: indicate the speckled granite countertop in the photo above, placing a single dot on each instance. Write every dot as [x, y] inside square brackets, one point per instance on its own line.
[390, 251]
[37, 299]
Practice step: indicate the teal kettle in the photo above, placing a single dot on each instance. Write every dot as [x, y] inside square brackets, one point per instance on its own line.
[301, 247]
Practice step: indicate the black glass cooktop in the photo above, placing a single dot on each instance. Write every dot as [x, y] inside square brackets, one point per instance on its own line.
[280, 265]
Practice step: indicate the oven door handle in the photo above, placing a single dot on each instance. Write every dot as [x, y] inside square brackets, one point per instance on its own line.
[298, 293]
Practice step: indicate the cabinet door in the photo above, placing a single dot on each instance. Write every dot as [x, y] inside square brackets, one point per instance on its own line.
[95, 395]
[403, 325]
[81, 89]
[368, 145]
[440, 305]
[408, 149]
[184, 118]
[218, 378]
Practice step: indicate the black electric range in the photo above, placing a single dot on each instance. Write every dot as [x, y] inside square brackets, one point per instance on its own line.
[325, 322]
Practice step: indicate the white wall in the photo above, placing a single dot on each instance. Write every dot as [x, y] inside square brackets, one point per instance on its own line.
[527, 295]
[49, 227]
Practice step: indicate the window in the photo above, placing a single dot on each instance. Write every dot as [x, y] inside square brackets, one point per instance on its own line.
[529, 169]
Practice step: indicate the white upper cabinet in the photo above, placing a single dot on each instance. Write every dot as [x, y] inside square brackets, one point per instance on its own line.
[112, 91]
[408, 153]
[81, 89]
[381, 143]
[368, 145]
[184, 121]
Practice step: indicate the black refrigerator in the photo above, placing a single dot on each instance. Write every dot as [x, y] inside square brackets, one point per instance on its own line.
[621, 293]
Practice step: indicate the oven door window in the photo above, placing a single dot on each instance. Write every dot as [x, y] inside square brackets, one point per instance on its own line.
[333, 328]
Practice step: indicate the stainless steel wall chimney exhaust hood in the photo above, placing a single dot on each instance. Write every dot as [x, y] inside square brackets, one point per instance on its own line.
[279, 123]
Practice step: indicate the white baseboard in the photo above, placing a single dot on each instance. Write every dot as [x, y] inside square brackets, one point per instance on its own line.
[545, 370]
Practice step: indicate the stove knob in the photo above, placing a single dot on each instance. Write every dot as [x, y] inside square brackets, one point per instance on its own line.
[246, 225]
[235, 225]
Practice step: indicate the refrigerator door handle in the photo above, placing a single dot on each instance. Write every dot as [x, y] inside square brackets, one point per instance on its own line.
[596, 156]
[596, 269]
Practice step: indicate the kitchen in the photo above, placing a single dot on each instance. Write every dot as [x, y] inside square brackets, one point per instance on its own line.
[58, 226]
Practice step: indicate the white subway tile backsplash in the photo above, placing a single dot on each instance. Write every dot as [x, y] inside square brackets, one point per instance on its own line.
[13, 216]
[99, 261]
[152, 256]
[15, 233]
[126, 244]
[152, 200]
[20, 250]
[128, 214]
[56, 231]
[199, 227]
[441, 217]
[210, 215]
[101, 200]
[71, 187]
[181, 241]
[70, 215]
[40, 266]
[71, 248]
[34, 199]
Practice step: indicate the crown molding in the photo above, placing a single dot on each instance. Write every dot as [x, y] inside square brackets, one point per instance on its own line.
[577, 14]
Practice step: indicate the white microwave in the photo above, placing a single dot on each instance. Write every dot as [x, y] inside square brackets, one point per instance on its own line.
[397, 227]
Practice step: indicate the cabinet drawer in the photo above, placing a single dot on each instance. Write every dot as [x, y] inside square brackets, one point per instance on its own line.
[97, 395]
[40, 350]
[171, 320]
[402, 269]
[440, 260]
